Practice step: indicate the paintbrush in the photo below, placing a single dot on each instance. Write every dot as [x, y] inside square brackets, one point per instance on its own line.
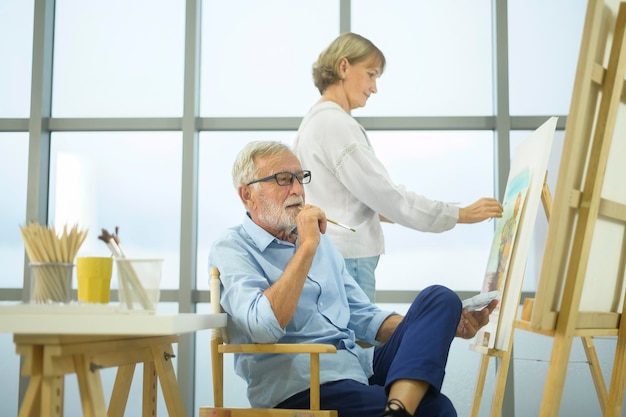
[340, 224]
[128, 277]
[335, 222]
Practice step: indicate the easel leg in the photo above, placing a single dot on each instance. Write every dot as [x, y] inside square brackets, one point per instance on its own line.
[555, 380]
[503, 371]
[121, 388]
[502, 374]
[618, 377]
[171, 392]
[480, 385]
[596, 372]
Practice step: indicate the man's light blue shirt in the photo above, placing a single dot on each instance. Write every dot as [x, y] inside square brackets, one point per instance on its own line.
[332, 309]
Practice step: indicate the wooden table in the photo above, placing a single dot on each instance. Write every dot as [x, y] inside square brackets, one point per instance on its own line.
[81, 339]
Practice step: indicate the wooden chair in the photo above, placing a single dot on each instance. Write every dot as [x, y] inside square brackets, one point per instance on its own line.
[220, 346]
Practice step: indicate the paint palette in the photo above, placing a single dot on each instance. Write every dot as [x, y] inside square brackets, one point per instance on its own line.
[480, 301]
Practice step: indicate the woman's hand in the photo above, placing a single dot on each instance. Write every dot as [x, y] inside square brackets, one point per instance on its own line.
[484, 208]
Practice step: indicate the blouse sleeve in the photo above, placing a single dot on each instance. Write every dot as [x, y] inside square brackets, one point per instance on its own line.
[357, 167]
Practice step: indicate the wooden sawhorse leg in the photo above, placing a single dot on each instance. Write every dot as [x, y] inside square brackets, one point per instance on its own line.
[44, 395]
[121, 388]
[150, 383]
[90, 387]
[85, 357]
[162, 356]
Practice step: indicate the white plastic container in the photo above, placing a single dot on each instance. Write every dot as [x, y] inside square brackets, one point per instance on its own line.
[139, 283]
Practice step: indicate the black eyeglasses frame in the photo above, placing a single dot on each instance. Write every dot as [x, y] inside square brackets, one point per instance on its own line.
[305, 174]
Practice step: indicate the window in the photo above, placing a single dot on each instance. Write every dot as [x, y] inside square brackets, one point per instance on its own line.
[118, 58]
[16, 30]
[13, 184]
[126, 179]
[544, 41]
[454, 167]
[438, 56]
[257, 56]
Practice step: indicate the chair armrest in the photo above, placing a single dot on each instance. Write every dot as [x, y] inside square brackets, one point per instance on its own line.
[278, 348]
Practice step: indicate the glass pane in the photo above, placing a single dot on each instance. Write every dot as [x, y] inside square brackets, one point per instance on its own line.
[16, 50]
[118, 58]
[257, 56]
[538, 242]
[455, 167]
[544, 42]
[9, 375]
[130, 180]
[438, 56]
[13, 183]
[219, 206]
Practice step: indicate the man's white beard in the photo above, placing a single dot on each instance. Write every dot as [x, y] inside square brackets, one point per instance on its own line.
[277, 216]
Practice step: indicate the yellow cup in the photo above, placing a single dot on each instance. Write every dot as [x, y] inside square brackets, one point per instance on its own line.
[94, 278]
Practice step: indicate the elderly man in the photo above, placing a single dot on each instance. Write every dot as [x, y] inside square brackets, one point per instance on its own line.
[284, 282]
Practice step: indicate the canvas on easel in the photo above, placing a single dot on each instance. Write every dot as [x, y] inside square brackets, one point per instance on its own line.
[502, 245]
[512, 237]
[506, 231]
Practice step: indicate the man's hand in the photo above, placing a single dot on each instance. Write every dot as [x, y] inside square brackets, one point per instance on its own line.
[310, 222]
[284, 294]
[472, 321]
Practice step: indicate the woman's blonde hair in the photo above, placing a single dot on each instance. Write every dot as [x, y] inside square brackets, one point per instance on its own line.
[355, 48]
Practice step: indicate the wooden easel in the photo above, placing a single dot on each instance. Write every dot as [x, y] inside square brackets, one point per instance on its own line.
[579, 204]
[505, 355]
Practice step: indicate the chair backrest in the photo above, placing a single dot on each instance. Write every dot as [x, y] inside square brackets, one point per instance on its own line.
[216, 307]
[219, 346]
[217, 338]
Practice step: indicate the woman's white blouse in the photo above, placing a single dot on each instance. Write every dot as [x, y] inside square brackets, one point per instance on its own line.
[353, 187]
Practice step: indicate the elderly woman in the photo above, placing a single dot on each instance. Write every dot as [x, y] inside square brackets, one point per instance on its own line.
[351, 184]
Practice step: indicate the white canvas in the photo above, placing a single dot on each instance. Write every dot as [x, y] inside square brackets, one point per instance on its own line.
[529, 164]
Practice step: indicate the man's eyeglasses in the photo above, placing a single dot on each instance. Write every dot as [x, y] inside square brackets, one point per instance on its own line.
[286, 178]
